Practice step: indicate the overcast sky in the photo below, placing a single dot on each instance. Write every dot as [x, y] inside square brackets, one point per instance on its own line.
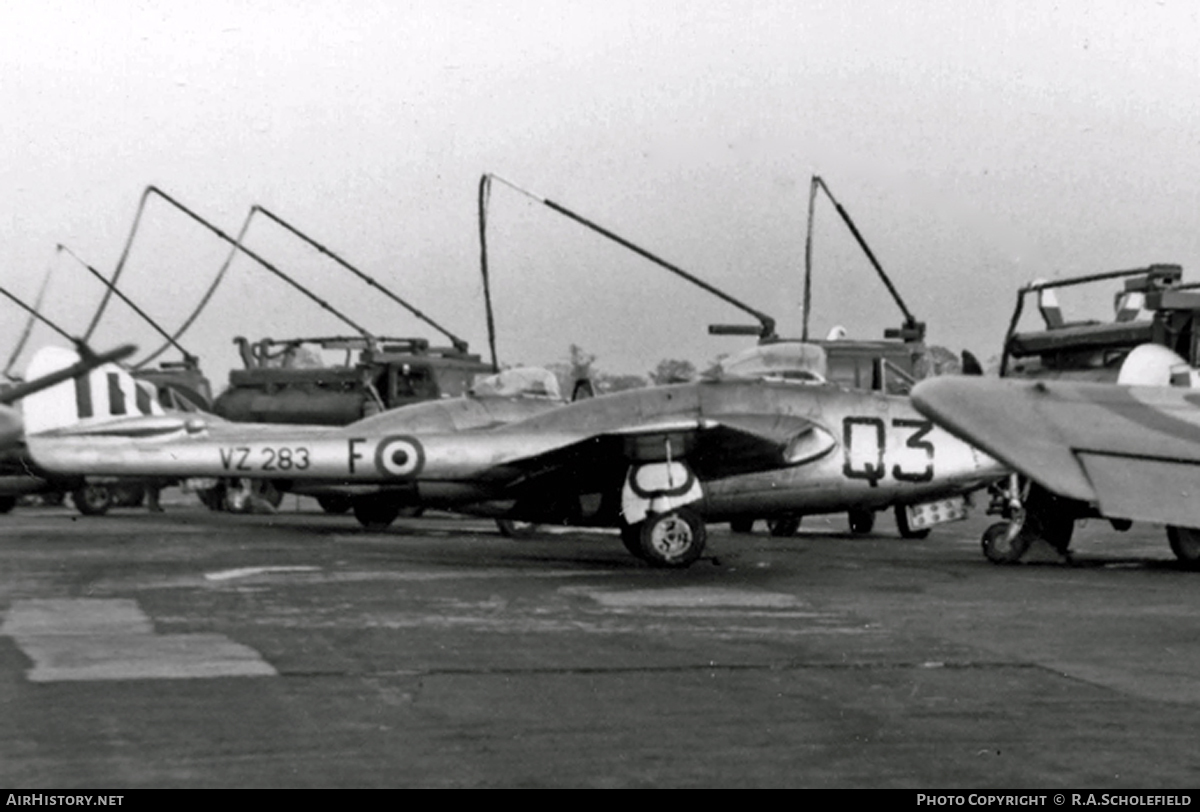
[978, 145]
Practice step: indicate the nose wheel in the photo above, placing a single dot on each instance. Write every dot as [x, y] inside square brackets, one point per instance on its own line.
[1005, 543]
[1033, 513]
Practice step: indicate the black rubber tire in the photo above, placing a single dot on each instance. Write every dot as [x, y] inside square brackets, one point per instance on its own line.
[1185, 544]
[335, 503]
[1050, 518]
[862, 521]
[784, 526]
[673, 540]
[907, 532]
[92, 500]
[999, 550]
[742, 525]
[7, 503]
[375, 514]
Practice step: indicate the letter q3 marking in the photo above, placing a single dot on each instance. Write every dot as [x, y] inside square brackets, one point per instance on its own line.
[399, 456]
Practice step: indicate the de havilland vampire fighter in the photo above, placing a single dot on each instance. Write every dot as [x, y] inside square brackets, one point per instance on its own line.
[765, 436]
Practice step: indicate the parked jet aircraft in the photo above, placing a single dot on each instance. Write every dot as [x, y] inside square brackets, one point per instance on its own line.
[765, 437]
[15, 476]
[1129, 453]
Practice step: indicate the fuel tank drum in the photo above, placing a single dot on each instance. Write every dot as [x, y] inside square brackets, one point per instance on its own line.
[290, 406]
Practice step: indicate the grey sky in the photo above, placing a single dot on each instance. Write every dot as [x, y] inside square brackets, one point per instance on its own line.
[977, 144]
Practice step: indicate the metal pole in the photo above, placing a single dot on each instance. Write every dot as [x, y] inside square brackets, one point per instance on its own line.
[867, 250]
[458, 343]
[37, 305]
[187, 356]
[768, 323]
[485, 193]
[153, 190]
[808, 247]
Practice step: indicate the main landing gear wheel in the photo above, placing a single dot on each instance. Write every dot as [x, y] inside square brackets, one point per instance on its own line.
[1053, 528]
[742, 525]
[92, 500]
[7, 503]
[999, 548]
[1049, 518]
[335, 503]
[862, 521]
[906, 531]
[375, 514]
[784, 526]
[674, 539]
[1185, 543]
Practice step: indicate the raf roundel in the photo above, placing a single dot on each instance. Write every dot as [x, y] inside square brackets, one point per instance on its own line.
[399, 457]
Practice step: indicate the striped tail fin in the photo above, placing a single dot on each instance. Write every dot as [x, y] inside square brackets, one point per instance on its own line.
[105, 393]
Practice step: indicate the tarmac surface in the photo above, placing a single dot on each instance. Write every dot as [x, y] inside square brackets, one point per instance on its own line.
[194, 649]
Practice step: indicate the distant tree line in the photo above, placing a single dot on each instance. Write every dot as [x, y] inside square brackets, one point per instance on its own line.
[581, 364]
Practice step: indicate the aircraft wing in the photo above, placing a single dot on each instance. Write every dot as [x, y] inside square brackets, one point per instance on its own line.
[714, 447]
[1134, 452]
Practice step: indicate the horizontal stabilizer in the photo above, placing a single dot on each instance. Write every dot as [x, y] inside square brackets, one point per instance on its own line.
[137, 428]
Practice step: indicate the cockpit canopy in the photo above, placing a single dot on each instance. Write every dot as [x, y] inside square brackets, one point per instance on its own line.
[526, 382]
[787, 361]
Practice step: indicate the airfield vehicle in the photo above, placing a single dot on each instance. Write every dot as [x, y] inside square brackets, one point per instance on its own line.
[376, 374]
[891, 365]
[1093, 350]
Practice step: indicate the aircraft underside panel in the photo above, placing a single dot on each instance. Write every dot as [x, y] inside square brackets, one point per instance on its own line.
[1157, 490]
[768, 494]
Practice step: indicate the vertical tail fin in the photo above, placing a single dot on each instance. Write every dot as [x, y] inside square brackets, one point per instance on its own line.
[104, 393]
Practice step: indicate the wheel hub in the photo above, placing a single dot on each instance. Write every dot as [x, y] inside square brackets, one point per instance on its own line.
[672, 536]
